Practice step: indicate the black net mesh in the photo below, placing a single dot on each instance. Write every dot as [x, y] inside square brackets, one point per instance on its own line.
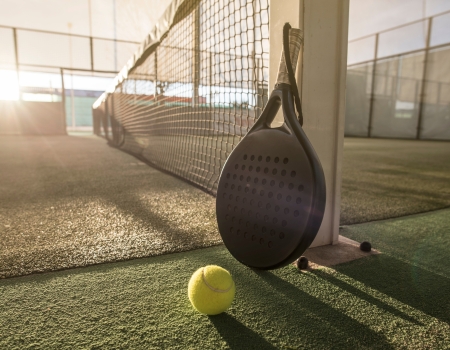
[194, 96]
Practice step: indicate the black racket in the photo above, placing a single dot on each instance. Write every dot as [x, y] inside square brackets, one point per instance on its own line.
[271, 193]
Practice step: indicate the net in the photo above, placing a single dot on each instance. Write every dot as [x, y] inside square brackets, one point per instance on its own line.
[184, 102]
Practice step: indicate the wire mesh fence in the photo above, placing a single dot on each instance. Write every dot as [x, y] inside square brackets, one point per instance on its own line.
[53, 67]
[398, 82]
[191, 98]
[31, 48]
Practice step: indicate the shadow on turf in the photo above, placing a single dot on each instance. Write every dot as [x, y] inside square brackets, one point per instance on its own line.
[407, 283]
[325, 324]
[280, 310]
[364, 296]
[175, 237]
[237, 335]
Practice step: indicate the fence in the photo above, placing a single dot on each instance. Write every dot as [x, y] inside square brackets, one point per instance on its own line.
[46, 65]
[398, 82]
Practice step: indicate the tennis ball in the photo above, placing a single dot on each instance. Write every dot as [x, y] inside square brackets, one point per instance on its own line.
[211, 290]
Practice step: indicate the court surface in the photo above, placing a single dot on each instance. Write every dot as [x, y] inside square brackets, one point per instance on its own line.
[75, 201]
[394, 300]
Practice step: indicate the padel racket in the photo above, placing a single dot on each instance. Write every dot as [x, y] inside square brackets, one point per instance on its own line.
[271, 192]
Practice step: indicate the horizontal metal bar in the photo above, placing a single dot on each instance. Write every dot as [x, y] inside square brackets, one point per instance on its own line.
[67, 34]
[69, 69]
[400, 26]
[390, 76]
[204, 51]
[399, 54]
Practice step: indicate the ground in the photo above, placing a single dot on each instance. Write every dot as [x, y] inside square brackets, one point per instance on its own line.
[74, 201]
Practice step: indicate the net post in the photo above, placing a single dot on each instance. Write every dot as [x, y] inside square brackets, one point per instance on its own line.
[424, 77]
[321, 78]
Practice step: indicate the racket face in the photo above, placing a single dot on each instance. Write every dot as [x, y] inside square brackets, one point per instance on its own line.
[269, 196]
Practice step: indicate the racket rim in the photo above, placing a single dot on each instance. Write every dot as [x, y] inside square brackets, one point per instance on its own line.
[313, 223]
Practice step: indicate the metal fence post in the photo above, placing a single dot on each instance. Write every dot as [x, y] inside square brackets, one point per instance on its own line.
[255, 66]
[16, 58]
[105, 116]
[255, 82]
[424, 76]
[156, 76]
[210, 80]
[372, 88]
[196, 58]
[91, 44]
[63, 100]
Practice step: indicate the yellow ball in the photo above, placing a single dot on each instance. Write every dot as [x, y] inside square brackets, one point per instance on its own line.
[211, 290]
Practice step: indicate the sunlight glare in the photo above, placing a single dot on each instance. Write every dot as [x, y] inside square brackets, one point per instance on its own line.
[9, 87]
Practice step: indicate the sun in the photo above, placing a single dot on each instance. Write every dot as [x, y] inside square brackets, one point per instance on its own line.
[9, 86]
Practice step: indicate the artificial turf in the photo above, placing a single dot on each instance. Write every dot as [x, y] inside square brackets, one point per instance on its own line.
[73, 201]
[398, 299]
[384, 178]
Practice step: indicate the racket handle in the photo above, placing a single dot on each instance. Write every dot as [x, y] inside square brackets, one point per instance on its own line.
[295, 42]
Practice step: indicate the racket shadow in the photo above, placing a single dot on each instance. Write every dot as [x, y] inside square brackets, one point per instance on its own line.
[408, 283]
[322, 319]
[364, 296]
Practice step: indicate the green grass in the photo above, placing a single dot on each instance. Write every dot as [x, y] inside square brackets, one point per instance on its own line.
[398, 299]
[422, 240]
[386, 301]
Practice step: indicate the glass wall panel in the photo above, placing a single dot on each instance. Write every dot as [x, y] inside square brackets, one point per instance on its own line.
[359, 82]
[436, 108]
[397, 91]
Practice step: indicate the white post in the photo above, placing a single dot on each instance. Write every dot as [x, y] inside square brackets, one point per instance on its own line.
[321, 81]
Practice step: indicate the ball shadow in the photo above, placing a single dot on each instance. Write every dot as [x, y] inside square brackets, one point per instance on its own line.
[237, 335]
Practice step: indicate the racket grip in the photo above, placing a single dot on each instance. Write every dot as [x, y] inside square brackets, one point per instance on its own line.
[295, 43]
